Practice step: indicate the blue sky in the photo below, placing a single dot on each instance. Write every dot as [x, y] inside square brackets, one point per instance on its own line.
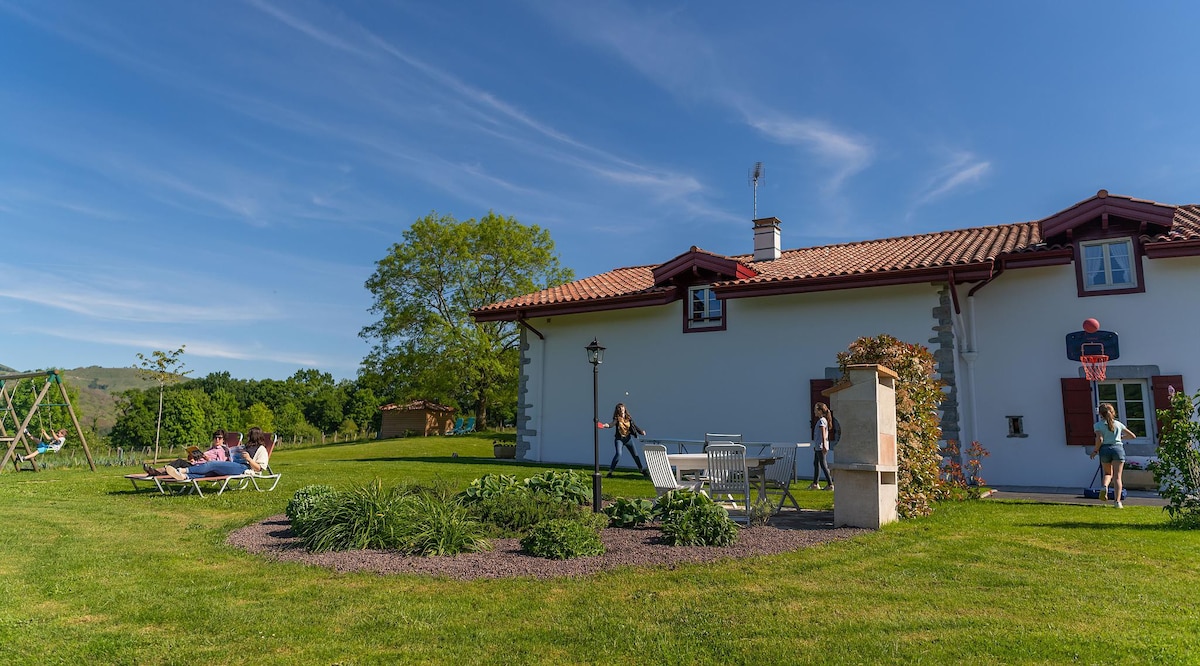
[225, 174]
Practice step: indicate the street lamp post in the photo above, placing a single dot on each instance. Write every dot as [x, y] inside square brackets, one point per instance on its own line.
[595, 357]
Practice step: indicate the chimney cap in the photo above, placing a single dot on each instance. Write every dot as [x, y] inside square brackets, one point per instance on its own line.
[767, 222]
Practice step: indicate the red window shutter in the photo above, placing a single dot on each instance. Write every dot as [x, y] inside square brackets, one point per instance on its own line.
[815, 386]
[1077, 411]
[1162, 399]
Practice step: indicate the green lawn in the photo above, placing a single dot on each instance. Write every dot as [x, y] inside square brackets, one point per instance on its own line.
[95, 573]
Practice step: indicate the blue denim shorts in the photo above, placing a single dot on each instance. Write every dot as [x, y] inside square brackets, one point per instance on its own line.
[1110, 454]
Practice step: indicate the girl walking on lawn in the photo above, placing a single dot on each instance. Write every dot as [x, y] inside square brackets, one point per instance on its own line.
[1112, 451]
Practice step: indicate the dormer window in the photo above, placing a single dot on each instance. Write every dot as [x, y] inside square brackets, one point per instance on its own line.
[704, 310]
[1108, 265]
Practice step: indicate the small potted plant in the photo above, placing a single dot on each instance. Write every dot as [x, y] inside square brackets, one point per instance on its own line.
[1137, 475]
[504, 450]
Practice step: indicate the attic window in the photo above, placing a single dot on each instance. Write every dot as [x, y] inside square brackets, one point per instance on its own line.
[1108, 265]
[704, 310]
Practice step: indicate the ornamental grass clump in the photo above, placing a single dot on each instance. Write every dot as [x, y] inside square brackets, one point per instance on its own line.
[364, 517]
[302, 504]
[415, 520]
[918, 397]
[436, 525]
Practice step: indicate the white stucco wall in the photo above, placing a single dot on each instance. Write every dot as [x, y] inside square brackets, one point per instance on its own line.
[1021, 320]
[752, 378]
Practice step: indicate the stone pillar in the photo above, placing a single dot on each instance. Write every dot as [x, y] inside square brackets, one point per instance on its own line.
[865, 463]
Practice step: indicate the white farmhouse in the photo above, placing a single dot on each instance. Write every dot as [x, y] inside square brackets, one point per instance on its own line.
[744, 344]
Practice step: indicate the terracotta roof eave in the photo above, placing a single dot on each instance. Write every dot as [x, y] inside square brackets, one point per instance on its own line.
[962, 273]
[1169, 248]
[658, 297]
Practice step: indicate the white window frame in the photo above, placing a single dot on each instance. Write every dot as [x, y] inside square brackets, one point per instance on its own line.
[1105, 246]
[712, 310]
[1145, 433]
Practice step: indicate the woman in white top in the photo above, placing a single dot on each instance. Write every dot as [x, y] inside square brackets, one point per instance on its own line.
[820, 442]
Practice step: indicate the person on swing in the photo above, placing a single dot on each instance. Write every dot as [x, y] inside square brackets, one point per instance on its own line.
[47, 443]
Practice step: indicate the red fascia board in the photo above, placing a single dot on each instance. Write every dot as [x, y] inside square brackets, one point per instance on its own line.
[718, 265]
[1158, 214]
[577, 307]
[1059, 257]
[967, 273]
[1166, 249]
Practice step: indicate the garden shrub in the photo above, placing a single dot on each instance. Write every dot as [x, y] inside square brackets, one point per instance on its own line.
[677, 501]
[562, 539]
[487, 486]
[568, 485]
[700, 525]
[513, 513]
[761, 511]
[1177, 469]
[629, 512]
[959, 482]
[918, 396]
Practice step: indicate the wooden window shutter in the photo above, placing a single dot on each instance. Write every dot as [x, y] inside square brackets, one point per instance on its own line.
[1162, 400]
[815, 386]
[1077, 411]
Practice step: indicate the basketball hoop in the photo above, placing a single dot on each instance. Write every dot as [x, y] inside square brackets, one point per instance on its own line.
[1094, 366]
[1094, 363]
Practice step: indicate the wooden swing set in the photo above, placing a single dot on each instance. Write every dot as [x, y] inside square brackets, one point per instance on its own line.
[21, 436]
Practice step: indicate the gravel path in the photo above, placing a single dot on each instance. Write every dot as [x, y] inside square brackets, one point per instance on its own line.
[625, 547]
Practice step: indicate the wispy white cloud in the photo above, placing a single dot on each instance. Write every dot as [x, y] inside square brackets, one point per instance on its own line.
[962, 169]
[662, 47]
[201, 348]
[844, 153]
[110, 295]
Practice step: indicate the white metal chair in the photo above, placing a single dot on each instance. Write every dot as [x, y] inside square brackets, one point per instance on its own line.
[782, 472]
[728, 477]
[660, 471]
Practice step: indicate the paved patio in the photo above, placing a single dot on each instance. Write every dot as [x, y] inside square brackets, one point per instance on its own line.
[1070, 496]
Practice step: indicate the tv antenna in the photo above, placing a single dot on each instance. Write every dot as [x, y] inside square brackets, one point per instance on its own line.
[757, 173]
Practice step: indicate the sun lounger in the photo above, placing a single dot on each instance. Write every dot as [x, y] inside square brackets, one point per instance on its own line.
[190, 486]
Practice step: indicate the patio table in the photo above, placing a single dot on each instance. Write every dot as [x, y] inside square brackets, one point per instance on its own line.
[697, 463]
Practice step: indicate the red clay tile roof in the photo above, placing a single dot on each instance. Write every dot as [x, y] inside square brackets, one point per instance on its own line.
[915, 256]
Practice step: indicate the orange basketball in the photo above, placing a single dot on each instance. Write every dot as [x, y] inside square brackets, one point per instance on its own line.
[1091, 325]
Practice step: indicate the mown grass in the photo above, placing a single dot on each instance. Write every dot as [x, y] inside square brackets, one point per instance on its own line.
[95, 573]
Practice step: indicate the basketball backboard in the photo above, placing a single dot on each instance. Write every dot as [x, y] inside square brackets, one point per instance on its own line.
[1100, 342]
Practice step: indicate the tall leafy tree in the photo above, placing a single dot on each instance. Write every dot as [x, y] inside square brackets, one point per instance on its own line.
[425, 343]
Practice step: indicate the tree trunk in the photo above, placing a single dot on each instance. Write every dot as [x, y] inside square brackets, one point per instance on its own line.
[158, 425]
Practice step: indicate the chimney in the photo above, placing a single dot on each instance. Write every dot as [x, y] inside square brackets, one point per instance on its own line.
[766, 238]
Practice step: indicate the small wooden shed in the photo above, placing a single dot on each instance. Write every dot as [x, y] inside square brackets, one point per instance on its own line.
[417, 417]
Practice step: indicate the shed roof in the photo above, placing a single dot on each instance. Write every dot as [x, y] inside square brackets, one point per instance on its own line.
[417, 405]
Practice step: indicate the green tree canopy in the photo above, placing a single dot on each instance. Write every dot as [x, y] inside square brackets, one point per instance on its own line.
[425, 343]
